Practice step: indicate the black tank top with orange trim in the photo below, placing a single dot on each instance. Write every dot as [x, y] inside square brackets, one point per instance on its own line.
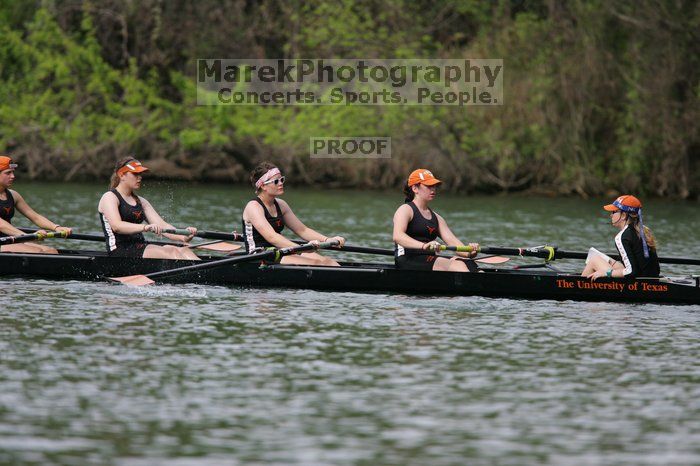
[128, 213]
[7, 209]
[420, 228]
[252, 237]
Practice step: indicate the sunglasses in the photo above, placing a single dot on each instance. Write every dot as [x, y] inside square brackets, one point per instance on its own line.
[275, 181]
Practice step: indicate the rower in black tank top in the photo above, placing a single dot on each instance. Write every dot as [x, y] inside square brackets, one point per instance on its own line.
[253, 239]
[7, 209]
[423, 230]
[125, 245]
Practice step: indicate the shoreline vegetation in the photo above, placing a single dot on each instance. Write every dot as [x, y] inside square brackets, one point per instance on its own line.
[600, 97]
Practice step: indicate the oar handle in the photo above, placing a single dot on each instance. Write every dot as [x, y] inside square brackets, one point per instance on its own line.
[442, 247]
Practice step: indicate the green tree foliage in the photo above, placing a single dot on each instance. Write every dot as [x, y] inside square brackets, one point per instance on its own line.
[599, 96]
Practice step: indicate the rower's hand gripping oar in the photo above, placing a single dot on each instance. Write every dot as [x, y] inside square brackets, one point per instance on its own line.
[492, 259]
[32, 237]
[548, 253]
[272, 253]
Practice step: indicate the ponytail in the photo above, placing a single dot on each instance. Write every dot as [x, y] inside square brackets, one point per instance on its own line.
[408, 192]
[633, 219]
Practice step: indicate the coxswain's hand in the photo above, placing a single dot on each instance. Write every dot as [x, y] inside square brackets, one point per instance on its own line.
[432, 246]
[193, 231]
[153, 228]
[475, 249]
[339, 239]
[596, 275]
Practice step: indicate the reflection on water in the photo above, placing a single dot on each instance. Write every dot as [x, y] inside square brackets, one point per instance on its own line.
[94, 373]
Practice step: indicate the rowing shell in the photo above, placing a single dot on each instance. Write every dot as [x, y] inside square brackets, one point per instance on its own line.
[363, 277]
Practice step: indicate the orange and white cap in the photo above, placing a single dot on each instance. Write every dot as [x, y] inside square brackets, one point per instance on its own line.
[132, 166]
[630, 204]
[6, 163]
[422, 176]
[626, 203]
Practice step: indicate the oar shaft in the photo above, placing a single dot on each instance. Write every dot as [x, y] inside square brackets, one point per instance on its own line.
[211, 265]
[271, 253]
[551, 253]
[101, 238]
[206, 234]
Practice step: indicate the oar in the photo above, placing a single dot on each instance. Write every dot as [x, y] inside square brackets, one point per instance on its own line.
[73, 235]
[390, 252]
[206, 234]
[218, 245]
[345, 248]
[275, 254]
[32, 237]
[550, 253]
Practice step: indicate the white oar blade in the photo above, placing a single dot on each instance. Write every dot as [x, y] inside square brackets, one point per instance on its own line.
[133, 280]
[493, 260]
[221, 247]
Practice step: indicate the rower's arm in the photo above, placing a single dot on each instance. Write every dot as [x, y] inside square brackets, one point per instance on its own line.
[109, 207]
[7, 228]
[37, 219]
[254, 214]
[297, 226]
[403, 215]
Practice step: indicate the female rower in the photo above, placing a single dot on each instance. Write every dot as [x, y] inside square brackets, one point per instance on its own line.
[122, 214]
[265, 216]
[634, 242]
[9, 202]
[416, 226]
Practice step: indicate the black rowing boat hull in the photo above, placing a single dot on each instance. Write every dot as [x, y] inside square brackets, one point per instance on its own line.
[381, 278]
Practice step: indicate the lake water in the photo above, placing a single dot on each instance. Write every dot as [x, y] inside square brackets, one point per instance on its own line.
[93, 373]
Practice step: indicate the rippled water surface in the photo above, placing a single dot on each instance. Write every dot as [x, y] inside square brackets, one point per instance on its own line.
[93, 373]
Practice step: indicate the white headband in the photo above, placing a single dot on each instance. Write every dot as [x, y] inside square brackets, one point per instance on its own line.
[270, 173]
